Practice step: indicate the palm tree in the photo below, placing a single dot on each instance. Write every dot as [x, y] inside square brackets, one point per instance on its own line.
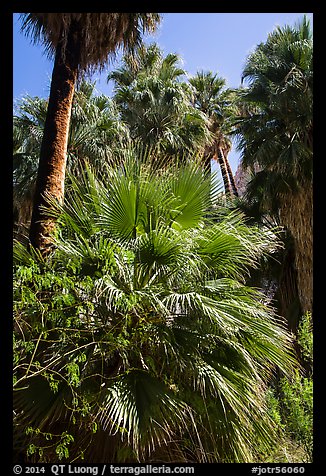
[79, 42]
[150, 347]
[28, 126]
[210, 97]
[276, 137]
[147, 61]
[155, 102]
[95, 133]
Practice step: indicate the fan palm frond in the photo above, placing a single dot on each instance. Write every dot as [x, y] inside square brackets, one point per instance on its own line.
[146, 320]
[143, 410]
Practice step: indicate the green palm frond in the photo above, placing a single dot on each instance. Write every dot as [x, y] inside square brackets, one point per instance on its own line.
[193, 196]
[279, 73]
[142, 410]
[149, 326]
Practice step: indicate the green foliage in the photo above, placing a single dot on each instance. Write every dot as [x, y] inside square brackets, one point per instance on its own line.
[297, 411]
[275, 131]
[305, 339]
[59, 445]
[291, 405]
[138, 333]
[296, 403]
[156, 103]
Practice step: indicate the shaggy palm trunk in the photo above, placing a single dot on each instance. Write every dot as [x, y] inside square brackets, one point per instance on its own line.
[287, 296]
[53, 154]
[296, 216]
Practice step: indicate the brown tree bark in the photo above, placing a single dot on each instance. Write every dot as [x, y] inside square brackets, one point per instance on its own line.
[225, 176]
[53, 154]
[296, 214]
[231, 177]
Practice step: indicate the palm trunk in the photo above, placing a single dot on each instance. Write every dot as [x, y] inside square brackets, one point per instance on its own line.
[206, 160]
[53, 154]
[231, 177]
[225, 177]
[296, 215]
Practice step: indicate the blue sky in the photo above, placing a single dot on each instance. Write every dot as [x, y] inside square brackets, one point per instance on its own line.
[218, 42]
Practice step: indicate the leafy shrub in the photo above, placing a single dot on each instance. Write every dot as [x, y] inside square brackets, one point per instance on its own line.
[296, 395]
[291, 404]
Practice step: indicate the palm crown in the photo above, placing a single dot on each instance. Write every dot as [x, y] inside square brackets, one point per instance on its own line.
[277, 132]
[155, 102]
[97, 35]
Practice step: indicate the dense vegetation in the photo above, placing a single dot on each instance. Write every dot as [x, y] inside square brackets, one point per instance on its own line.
[156, 322]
